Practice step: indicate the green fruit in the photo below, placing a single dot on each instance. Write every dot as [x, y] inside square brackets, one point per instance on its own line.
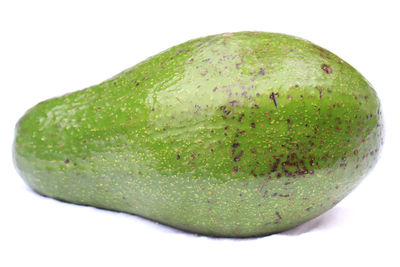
[240, 134]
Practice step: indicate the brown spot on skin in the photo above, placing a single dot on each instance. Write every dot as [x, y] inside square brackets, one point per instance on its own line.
[327, 69]
[233, 103]
[279, 216]
[237, 158]
[273, 97]
[240, 117]
[178, 52]
[275, 165]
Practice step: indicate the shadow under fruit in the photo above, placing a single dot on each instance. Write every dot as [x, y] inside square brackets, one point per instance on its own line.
[237, 134]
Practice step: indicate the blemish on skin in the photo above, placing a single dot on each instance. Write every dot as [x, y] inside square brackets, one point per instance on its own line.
[273, 97]
[240, 117]
[233, 103]
[275, 165]
[253, 125]
[66, 161]
[326, 68]
[178, 157]
[237, 158]
[277, 214]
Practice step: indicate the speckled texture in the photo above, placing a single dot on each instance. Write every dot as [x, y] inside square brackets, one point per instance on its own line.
[237, 134]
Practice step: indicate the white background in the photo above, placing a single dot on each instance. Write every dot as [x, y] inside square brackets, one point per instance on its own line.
[48, 48]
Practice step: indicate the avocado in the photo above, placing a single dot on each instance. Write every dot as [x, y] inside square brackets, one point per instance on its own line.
[235, 135]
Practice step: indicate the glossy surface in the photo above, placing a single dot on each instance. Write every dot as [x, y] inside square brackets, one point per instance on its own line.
[238, 134]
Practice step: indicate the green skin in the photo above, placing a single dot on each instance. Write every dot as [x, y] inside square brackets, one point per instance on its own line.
[236, 135]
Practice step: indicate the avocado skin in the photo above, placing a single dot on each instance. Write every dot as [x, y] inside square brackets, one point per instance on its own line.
[236, 135]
